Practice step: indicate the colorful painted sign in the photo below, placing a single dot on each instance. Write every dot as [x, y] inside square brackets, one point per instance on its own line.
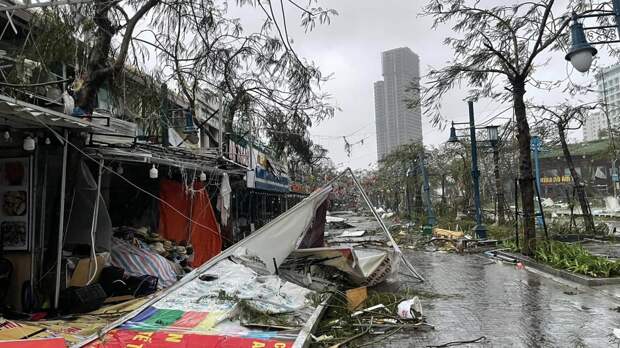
[163, 339]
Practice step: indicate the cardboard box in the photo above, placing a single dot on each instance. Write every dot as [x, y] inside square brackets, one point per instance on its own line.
[85, 269]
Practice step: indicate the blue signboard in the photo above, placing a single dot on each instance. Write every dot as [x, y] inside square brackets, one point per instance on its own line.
[265, 180]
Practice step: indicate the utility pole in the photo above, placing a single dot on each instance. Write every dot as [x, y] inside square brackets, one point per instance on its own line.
[535, 146]
[610, 133]
[480, 230]
[430, 215]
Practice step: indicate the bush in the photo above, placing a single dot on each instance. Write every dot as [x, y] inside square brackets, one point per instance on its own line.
[574, 258]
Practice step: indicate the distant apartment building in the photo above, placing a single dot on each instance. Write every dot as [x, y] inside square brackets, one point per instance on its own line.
[593, 125]
[396, 123]
[608, 84]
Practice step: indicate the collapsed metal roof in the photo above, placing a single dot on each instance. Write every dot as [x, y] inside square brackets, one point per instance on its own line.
[15, 113]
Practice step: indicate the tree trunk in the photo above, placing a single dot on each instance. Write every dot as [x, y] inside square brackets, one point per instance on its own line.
[499, 188]
[97, 68]
[526, 180]
[579, 186]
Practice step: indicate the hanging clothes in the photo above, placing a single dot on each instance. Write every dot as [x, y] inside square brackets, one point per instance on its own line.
[223, 199]
[202, 231]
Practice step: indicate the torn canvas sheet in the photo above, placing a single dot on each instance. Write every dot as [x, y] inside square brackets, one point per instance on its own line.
[223, 199]
[287, 229]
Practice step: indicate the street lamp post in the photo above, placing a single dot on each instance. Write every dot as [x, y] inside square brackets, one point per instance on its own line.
[480, 230]
[581, 53]
[492, 132]
[408, 192]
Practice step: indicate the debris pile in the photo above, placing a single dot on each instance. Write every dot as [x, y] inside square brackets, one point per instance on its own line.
[358, 315]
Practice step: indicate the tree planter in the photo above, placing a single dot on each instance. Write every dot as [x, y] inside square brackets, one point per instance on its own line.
[574, 277]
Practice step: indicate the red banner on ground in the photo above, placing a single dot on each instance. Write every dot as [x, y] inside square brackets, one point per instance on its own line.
[162, 339]
[35, 343]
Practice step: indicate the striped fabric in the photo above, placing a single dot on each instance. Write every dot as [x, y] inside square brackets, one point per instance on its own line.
[137, 262]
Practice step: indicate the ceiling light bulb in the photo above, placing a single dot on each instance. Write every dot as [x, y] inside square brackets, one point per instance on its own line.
[7, 135]
[203, 176]
[29, 143]
[47, 141]
[153, 172]
[120, 169]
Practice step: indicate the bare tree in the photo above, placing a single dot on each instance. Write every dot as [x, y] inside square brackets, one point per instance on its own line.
[497, 46]
[268, 89]
[566, 117]
[111, 19]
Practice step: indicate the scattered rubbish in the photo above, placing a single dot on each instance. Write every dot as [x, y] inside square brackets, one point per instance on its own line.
[380, 317]
[322, 338]
[352, 234]
[330, 219]
[369, 309]
[387, 215]
[616, 309]
[208, 277]
[520, 266]
[410, 309]
[355, 297]
[351, 338]
[570, 293]
[456, 343]
[442, 233]
[500, 257]
[617, 332]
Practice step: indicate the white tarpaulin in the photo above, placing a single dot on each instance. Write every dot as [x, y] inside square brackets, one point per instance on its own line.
[272, 243]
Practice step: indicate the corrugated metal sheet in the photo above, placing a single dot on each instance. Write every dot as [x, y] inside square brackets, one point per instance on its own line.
[19, 114]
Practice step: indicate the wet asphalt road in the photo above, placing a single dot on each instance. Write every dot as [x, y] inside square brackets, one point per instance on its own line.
[512, 308]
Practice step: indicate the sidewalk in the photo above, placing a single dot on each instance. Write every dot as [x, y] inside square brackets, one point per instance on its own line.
[512, 308]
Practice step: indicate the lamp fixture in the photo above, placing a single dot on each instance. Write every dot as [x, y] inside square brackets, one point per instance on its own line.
[453, 138]
[29, 143]
[581, 53]
[492, 132]
[153, 172]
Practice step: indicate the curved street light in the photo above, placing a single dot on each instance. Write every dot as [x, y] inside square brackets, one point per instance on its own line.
[581, 53]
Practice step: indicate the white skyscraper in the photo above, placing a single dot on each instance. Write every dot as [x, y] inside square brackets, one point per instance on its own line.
[396, 124]
[608, 83]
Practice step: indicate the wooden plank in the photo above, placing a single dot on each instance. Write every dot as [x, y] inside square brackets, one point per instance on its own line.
[303, 338]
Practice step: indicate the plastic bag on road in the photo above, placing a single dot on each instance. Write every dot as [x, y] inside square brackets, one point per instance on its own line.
[410, 309]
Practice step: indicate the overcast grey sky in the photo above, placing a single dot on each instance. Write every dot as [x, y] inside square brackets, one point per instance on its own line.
[350, 48]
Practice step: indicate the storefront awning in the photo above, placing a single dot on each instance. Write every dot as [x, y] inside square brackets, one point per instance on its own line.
[15, 113]
[144, 153]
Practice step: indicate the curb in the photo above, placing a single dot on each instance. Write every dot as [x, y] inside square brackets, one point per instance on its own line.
[577, 278]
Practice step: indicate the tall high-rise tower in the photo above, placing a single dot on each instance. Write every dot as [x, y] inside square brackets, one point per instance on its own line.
[396, 123]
